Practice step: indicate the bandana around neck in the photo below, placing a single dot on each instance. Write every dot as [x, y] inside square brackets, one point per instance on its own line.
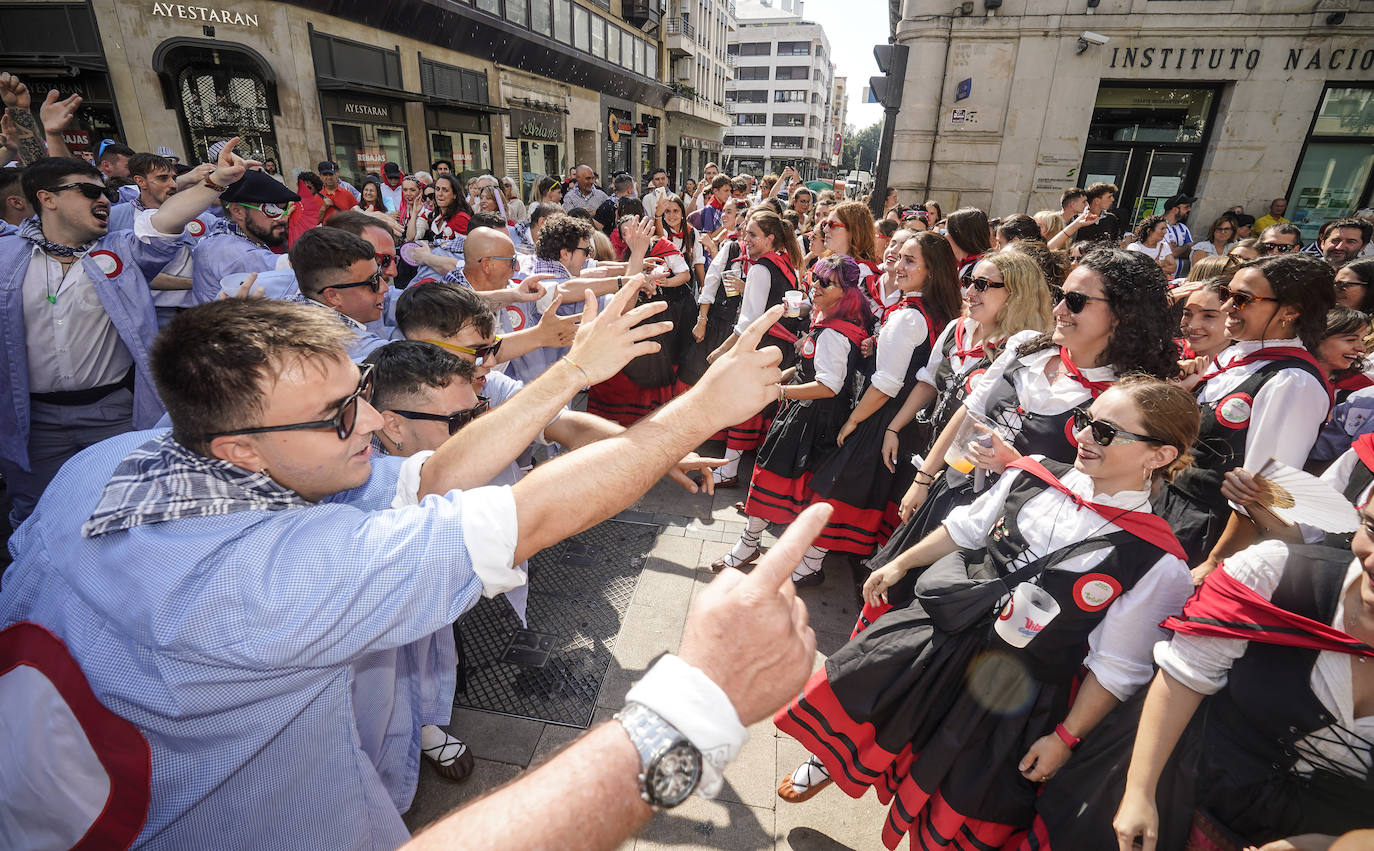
[163, 480]
[32, 230]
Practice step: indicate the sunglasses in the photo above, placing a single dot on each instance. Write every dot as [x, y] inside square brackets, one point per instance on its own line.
[271, 211]
[1240, 298]
[585, 249]
[455, 421]
[982, 285]
[511, 260]
[1277, 247]
[480, 353]
[1342, 286]
[384, 260]
[1073, 299]
[92, 191]
[373, 283]
[1104, 432]
[342, 422]
[829, 225]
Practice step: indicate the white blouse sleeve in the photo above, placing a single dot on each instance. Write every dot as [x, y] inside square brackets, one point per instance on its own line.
[677, 264]
[713, 276]
[976, 401]
[969, 525]
[1119, 647]
[755, 300]
[1202, 663]
[832, 359]
[1287, 413]
[937, 356]
[897, 342]
[698, 253]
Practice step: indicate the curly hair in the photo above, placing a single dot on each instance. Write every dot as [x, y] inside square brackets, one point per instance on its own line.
[1054, 265]
[1301, 281]
[559, 234]
[1143, 338]
[1147, 226]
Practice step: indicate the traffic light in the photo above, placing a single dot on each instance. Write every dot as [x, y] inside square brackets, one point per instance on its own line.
[891, 59]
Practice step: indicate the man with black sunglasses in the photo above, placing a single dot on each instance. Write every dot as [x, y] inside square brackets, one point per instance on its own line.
[1282, 238]
[250, 237]
[338, 270]
[78, 317]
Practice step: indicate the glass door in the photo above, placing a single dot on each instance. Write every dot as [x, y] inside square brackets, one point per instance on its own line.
[391, 141]
[478, 148]
[1329, 184]
[1164, 176]
[348, 146]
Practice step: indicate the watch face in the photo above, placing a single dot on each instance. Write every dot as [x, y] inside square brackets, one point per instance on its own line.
[674, 775]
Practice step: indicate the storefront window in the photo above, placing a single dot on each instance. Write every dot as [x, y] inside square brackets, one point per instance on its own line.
[1150, 115]
[1334, 178]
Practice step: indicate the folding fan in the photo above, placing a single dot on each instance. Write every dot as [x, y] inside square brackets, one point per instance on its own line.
[1299, 497]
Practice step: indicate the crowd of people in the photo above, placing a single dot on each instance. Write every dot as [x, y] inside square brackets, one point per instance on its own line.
[267, 443]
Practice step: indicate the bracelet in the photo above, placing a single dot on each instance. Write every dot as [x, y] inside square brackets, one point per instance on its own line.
[215, 186]
[930, 477]
[893, 431]
[782, 393]
[619, 281]
[1066, 737]
[585, 377]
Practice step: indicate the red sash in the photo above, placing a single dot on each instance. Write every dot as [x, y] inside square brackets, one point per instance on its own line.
[916, 302]
[1364, 449]
[1225, 607]
[1093, 387]
[664, 248]
[1273, 353]
[855, 334]
[784, 265]
[1357, 381]
[1150, 528]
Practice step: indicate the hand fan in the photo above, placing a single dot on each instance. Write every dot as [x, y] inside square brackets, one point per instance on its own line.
[407, 253]
[1300, 497]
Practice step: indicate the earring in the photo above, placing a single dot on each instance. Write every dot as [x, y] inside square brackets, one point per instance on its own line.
[400, 447]
[1148, 474]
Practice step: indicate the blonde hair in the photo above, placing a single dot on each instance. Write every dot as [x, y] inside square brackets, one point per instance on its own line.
[1028, 297]
[604, 249]
[1169, 413]
[1050, 222]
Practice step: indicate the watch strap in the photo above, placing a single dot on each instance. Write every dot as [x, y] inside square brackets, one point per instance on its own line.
[652, 737]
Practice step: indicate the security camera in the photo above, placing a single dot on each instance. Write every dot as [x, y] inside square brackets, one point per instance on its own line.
[1092, 38]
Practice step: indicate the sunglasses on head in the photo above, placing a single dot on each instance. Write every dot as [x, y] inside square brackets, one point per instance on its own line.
[373, 283]
[1240, 298]
[455, 421]
[480, 353]
[1104, 432]
[1277, 247]
[1073, 299]
[342, 422]
[982, 285]
[92, 191]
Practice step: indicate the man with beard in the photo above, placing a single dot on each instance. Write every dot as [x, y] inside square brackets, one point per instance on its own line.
[1176, 211]
[78, 319]
[247, 239]
[1343, 240]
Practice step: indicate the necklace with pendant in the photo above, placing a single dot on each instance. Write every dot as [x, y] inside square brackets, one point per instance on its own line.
[47, 280]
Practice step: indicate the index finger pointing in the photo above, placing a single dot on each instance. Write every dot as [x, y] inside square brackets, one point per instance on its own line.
[754, 333]
[775, 568]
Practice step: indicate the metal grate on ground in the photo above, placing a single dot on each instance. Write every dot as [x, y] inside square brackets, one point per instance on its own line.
[552, 670]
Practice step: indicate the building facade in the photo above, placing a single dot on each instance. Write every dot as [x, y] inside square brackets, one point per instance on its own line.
[1006, 104]
[839, 114]
[780, 96]
[516, 87]
[694, 39]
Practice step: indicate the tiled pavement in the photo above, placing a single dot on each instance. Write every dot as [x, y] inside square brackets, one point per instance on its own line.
[748, 814]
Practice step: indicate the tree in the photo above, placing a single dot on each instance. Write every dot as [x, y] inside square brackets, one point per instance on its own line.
[860, 151]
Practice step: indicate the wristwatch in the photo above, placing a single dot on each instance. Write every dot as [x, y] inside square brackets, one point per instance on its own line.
[670, 765]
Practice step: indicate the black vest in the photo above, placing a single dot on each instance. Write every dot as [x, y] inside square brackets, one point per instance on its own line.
[1040, 434]
[950, 389]
[725, 308]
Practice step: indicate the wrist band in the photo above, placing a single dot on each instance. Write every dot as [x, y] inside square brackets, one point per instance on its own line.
[215, 186]
[782, 394]
[619, 281]
[1066, 737]
[930, 477]
[585, 377]
[893, 430]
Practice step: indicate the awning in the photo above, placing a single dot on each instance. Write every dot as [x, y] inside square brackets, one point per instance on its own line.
[448, 103]
[330, 84]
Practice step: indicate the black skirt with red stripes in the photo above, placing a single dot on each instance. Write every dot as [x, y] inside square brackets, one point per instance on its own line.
[621, 400]
[802, 436]
[862, 490]
[935, 723]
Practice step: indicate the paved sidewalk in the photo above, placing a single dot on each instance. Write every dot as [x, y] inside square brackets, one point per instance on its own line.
[748, 814]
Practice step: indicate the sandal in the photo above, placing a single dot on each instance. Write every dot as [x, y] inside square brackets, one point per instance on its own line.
[803, 784]
[720, 564]
[452, 760]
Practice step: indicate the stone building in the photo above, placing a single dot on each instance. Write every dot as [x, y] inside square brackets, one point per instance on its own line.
[516, 87]
[695, 37]
[1006, 104]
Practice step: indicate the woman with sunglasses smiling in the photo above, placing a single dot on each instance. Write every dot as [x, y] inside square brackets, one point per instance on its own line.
[1266, 397]
[962, 703]
[848, 232]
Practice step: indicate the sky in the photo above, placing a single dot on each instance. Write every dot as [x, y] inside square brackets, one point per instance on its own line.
[853, 27]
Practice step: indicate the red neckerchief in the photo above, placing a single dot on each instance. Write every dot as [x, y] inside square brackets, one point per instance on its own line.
[1093, 387]
[969, 262]
[714, 203]
[1355, 381]
[680, 236]
[1185, 349]
[622, 251]
[916, 302]
[855, 334]
[664, 248]
[1272, 353]
[784, 264]
[1225, 607]
[1150, 528]
[1364, 449]
[959, 351]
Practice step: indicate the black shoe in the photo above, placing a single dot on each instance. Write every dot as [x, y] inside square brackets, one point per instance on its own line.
[810, 580]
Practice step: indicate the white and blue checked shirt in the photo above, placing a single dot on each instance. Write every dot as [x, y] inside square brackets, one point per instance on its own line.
[230, 642]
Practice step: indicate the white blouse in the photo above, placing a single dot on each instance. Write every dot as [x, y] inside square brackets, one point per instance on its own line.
[1203, 663]
[1119, 647]
[937, 353]
[715, 271]
[1036, 394]
[757, 285]
[698, 256]
[901, 334]
[832, 359]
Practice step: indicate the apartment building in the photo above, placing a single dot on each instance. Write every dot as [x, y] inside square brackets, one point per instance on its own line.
[695, 36]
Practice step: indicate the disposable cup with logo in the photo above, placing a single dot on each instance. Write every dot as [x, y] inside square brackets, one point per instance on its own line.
[1026, 614]
[792, 301]
[974, 429]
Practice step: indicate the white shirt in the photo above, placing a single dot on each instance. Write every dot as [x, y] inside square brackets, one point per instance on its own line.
[757, 285]
[1036, 395]
[1158, 253]
[1208, 248]
[1285, 414]
[698, 256]
[901, 334]
[832, 359]
[715, 272]
[1203, 663]
[1119, 647]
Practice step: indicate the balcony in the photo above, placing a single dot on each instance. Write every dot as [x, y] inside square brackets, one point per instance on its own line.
[677, 37]
[730, 14]
[645, 14]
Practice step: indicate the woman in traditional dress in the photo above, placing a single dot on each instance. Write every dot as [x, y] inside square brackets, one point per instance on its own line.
[855, 480]
[969, 236]
[955, 713]
[815, 403]
[1265, 398]
[719, 299]
[448, 219]
[848, 231]
[774, 258]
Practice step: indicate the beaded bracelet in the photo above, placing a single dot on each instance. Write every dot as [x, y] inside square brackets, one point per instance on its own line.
[585, 377]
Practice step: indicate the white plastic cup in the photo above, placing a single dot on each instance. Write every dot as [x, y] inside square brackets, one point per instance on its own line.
[792, 301]
[733, 285]
[1026, 614]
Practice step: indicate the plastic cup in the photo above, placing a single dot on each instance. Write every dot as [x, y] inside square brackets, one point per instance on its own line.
[733, 285]
[792, 301]
[1026, 614]
[958, 455]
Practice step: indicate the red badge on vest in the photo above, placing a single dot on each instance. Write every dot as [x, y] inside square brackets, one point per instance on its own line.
[196, 228]
[1094, 592]
[1233, 411]
[972, 379]
[107, 262]
[808, 349]
[515, 317]
[1006, 610]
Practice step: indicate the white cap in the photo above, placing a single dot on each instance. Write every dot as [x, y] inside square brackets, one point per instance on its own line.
[216, 148]
[164, 151]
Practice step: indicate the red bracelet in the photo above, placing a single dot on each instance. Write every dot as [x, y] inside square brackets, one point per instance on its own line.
[1066, 737]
